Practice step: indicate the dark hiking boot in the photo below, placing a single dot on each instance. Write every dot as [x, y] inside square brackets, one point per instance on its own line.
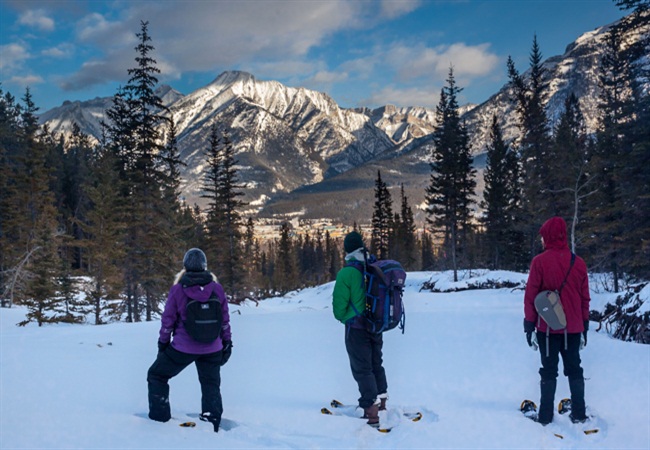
[159, 409]
[578, 407]
[547, 400]
[372, 414]
[382, 401]
[214, 420]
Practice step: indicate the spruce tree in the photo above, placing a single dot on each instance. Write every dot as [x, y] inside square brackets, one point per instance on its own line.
[285, 277]
[34, 207]
[224, 221]
[382, 220]
[530, 97]
[449, 194]
[501, 202]
[404, 245]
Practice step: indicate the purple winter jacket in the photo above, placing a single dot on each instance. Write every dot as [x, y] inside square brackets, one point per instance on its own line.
[174, 316]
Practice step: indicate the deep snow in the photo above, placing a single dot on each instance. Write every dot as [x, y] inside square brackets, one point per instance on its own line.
[463, 362]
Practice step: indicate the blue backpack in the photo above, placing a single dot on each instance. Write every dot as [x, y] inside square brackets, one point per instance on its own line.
[384, 284]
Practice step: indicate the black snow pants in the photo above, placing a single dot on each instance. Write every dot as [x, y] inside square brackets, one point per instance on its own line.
[364, 349]
[549, 372]
[170, 363]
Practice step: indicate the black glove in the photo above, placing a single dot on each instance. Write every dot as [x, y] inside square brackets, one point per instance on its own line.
[226, 352]
[584, 334]
[529, 329]
[162, 346]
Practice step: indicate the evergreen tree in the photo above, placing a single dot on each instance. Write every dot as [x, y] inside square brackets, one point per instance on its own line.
[285, 277]
[501, 202]
[134, 118]
[569, 179]
[449, 194]
[530, 96]
[635, 137]
[224, 219]
[333, 256]
[37, 227]
[382, 220]
[427, 256]
[404, 243]
[103, 227]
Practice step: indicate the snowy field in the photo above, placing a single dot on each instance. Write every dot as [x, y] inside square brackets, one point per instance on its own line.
[463, 362]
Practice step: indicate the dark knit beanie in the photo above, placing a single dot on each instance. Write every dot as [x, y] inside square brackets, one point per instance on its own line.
[353, 241]
[195, 260]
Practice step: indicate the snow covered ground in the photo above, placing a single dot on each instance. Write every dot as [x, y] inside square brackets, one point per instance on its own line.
[463, 362]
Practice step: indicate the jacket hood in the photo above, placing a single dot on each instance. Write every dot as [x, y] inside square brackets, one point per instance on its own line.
[195, 284]
[554, 233]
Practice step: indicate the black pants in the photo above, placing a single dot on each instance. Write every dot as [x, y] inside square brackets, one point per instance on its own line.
[549, 372]
[364, 350]
[170, 363]
[570, 355]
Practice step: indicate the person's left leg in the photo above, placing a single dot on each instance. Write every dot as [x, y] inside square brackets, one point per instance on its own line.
[377, 342]
[208, 368]
[573, 370]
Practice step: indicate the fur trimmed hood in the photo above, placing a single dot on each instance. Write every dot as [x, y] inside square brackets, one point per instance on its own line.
[180, 274]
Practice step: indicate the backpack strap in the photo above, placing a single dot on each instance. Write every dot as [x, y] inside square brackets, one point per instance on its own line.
[361, 267]
[573, 260]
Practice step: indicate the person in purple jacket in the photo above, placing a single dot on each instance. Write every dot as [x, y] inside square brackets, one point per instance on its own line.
[177, 349]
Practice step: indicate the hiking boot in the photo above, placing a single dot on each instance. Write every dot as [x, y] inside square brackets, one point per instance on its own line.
[578, 407]
[382, 401]
[578, 419]
[372, 414]
[214, 420]
[547, 390]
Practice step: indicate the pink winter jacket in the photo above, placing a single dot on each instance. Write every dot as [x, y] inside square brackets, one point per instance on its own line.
[547, 271]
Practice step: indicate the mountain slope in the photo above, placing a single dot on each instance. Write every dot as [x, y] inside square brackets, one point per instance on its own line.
[294, 142]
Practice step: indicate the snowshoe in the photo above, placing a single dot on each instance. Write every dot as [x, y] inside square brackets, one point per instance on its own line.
[564, 406]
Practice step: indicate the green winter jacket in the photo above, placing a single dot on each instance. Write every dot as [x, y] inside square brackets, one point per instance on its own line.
[348, 287]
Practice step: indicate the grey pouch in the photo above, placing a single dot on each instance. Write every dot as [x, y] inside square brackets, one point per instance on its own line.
[549, 308]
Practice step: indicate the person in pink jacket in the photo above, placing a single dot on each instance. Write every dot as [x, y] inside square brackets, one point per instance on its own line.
[548, 271]
[177, 348]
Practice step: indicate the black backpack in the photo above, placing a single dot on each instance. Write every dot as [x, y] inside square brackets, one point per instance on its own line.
[203, 319]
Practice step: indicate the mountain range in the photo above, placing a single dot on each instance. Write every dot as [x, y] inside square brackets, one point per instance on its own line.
[299, 153]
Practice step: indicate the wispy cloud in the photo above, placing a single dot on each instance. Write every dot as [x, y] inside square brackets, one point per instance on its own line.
[59, 52]
[395, 8]
[12, 56]
[414, 96]
[25, 81]
[417, 62]
[37, 18]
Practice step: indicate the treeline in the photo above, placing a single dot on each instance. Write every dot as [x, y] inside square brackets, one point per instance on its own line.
[112, 212]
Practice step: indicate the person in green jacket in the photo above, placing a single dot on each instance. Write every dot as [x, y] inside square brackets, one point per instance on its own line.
[364, 348]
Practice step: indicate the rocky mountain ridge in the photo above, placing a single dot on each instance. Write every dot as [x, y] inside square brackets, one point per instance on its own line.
[295, 144]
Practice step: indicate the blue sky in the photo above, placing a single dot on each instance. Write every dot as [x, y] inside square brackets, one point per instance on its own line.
[361, 52]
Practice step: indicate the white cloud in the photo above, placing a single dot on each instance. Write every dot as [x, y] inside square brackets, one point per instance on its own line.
[417, 62]
[59, 52]
[37, 18]
[327, 77]
[12, 56]
[395, 8]
[25, 81]
[412, 96]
